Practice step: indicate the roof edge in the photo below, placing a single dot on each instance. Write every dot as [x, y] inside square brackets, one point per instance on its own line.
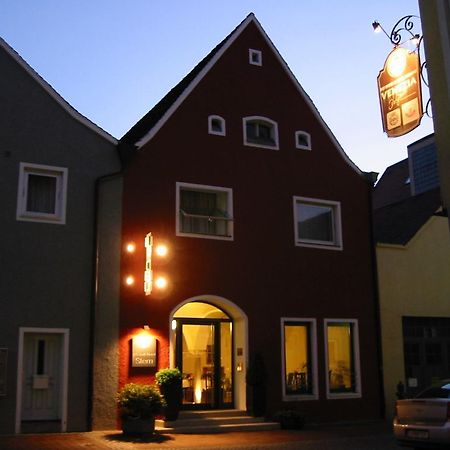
[235, 34]
[55, 95]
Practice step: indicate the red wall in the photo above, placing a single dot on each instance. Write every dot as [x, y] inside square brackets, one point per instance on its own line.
[261, 270]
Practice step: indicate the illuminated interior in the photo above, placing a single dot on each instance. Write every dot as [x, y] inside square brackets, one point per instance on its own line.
[298, 378]
[340, 357]
[207, 369]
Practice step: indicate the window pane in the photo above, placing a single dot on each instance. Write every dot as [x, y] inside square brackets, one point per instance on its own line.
[341, 370]
[315, 222]
[41, 195]
[210, 204]
[297, 359]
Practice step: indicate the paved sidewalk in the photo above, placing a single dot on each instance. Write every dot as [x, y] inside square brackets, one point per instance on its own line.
[310, 437]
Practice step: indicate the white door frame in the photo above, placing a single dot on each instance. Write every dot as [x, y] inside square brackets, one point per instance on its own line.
[64, 374]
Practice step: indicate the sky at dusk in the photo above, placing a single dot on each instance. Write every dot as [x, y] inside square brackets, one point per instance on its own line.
[113, 60]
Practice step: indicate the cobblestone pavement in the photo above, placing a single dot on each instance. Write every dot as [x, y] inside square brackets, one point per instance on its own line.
[368, 436]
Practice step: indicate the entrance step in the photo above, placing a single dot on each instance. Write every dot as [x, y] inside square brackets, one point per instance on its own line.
[215, 421]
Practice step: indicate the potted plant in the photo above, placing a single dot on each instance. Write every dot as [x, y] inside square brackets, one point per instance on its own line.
[170, 385]
[290, 419]
[138, 405]
[256, 382]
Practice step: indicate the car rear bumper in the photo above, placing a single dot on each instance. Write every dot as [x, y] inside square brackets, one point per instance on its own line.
[425, 436]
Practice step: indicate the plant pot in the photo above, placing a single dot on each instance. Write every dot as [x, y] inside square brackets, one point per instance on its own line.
[136, 426]
[173, 396]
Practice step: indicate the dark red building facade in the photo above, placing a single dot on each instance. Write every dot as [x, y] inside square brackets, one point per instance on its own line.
[266, 223]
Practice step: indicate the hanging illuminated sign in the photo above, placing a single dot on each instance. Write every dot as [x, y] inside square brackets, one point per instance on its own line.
[400, 93]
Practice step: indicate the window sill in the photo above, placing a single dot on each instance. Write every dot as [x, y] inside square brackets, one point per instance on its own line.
[343, 395]
[262, 145]
[300, 397]
[316, 245]
[205, 236]
[41, 218]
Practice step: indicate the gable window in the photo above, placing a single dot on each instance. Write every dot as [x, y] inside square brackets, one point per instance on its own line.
[216, 125]
[204, 211]
[255, 57]
[317, 223]
[342, 357]
[260, 132]
[302, 140]
[41, 195]
[299, 362]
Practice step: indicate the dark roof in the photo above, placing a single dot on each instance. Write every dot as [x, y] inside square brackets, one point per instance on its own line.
[143, 126]
[392, 186]
[398, 223]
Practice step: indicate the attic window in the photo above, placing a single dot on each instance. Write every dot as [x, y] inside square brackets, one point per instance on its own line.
[216, 125]
[260, 132]
[255, 57]
[302, 140]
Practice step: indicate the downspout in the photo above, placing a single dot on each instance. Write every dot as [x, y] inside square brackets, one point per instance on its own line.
[371, 178]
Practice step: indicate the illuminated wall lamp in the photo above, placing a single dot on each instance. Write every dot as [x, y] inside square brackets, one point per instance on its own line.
[130, 247]
[129, 280]
[161, 282]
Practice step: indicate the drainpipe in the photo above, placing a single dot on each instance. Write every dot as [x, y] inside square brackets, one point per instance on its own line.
[371, 177]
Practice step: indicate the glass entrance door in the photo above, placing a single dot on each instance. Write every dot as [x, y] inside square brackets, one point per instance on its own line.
[204, 355]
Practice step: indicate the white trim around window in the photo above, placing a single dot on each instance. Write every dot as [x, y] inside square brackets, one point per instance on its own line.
[216, 125]
[302, 140]
[322, 223]
[255, 57]
[300, 374]
[222, 226]
[265, 132]
[45, 203]
[351, 376]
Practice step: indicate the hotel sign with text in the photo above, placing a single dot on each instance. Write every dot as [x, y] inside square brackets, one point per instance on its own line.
[400, 92]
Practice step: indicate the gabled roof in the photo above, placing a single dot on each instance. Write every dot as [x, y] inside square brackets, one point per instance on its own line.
[399, 222]
[393, 186]
[149, 125]
[53, 94]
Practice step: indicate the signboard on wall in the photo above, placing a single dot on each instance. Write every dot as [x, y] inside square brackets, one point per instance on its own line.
[400, 93]
[143, 352]
[3, 368]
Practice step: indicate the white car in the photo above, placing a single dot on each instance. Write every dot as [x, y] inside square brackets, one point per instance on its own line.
[424, 421]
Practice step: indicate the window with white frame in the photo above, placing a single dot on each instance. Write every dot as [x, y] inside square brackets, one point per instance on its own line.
[260, 132]
[42, 192]
[317, 223]
[204, 211]
[342, 357]
[302, 140]
[216, 125]
[299, 359]
[255, 57]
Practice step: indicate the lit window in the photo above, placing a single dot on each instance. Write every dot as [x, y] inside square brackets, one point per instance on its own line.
[216, 125]
[41, 195]
[342, 357]
[317, 223]
[204, 211]
[302, 140]
[299, 359]
[255, 57]
[260, 132]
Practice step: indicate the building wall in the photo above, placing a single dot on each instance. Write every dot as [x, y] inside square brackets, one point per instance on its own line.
[435, 17]
[47, 269]
[261, 270]
[413, 281]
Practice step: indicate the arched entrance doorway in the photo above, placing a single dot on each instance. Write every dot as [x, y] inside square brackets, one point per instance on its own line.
[208, 346]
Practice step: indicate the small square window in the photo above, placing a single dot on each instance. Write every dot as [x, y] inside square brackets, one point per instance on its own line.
[255, 57]
[204, 211]
[302, 140]
[216, 125]
[342, 358]
[41, 195]
[317, 223]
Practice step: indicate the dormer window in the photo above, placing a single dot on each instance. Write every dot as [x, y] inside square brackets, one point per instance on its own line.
[260, 132]
[302, 140]
[255, 57]
[216, 125]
